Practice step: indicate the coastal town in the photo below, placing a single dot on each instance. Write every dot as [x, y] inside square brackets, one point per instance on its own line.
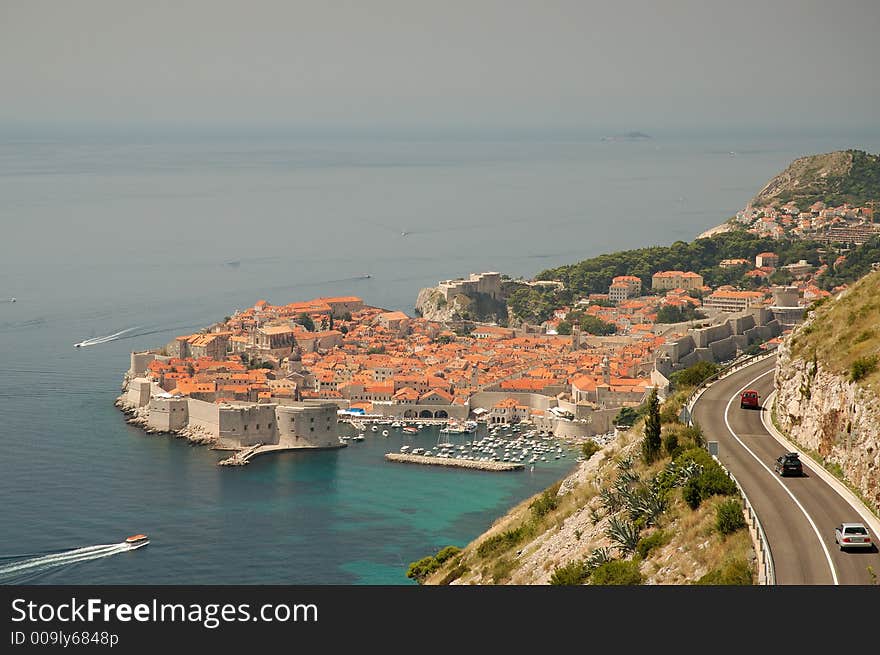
[279, 377]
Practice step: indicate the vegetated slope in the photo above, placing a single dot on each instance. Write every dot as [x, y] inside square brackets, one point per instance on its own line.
[828, 386]
[851, 176]
[702, 256]
[617, 520]
[844, 330]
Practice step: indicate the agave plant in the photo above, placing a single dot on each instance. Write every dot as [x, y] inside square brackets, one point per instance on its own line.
[627, 477]
[624, 534]
[611, 501]
[649, 503]
[625, 464]
[597, 557]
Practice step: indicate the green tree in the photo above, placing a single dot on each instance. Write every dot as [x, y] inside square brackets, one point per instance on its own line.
[306, 321]
[564, 327]
[595, 325]
[651, 443]
[695, 374]
[626, 416]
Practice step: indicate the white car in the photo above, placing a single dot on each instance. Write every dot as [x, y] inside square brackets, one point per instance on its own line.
[852, 535]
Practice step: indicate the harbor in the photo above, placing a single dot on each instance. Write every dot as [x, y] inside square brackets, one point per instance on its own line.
[454, 461]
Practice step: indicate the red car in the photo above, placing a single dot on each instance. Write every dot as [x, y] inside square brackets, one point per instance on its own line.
[749, 399]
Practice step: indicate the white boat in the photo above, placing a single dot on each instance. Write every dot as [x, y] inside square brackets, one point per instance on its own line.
[397, 425]
[359, 437]
[374, 428]
[384, 433]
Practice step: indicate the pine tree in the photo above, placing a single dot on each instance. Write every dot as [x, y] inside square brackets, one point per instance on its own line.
[651, 443]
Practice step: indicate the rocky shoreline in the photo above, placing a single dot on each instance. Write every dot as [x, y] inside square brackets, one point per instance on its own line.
[137, 416]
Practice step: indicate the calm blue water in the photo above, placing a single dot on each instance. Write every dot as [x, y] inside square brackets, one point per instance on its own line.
[102, 234]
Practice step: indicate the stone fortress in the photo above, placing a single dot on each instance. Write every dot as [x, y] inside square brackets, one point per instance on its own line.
[287, 425]
[488, 283]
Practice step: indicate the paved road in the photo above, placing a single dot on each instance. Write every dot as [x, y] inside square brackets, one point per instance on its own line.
[798, 514]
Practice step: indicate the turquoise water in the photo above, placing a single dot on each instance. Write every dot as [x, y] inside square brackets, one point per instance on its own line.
[105, 234]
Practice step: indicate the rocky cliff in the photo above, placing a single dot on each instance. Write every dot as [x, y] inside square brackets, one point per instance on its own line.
[431, 305]
[827, 386]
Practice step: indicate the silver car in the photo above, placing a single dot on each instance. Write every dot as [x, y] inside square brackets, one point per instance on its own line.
[852, 535]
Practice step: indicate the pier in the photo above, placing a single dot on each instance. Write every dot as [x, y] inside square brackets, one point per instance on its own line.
[241, 457]
[454, 462]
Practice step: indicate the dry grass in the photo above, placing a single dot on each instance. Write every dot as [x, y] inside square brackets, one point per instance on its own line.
[844, 330]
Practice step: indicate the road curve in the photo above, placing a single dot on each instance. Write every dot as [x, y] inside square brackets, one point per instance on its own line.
[798, 514]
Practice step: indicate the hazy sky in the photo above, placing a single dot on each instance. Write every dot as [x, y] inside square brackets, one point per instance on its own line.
[627, 64]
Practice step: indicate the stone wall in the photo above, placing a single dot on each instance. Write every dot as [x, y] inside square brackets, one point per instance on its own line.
[168, 414]
[247, 424]
[307, 425]
[204, 416]
[138, 392]
[824, 412]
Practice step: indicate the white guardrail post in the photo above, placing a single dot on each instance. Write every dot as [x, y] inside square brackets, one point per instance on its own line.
[766, 569]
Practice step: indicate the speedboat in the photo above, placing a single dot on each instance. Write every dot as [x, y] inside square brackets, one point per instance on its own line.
[137, 540]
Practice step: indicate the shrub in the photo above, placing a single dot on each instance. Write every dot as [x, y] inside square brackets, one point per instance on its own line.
[731, 572]
[446, 553]
[590, 448]
[670, 412]
[502, 541]
[670, 443]
[422, 569]
[694, 375]
[573, 573]
[545, 503]
[652, 541]
[502, 569]
[729, 517]
[626, 416]
[618, 572]
[862, 367]
[712, 479]
[454, 574]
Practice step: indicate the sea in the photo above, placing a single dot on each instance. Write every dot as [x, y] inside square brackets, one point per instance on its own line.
[128, 238]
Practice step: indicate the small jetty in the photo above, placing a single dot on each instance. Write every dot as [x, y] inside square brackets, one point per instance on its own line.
[241, 457]
[455, 462]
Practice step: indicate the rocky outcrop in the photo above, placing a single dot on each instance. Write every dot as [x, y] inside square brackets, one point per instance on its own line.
[824, 412]
[431, 305]
[809, 178]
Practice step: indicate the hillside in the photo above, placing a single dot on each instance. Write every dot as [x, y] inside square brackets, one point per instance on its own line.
[616, 520]
[851, 176]
[828, 386]
[701, 256]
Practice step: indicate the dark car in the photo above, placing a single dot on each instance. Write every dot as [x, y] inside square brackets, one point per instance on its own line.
[789, 464]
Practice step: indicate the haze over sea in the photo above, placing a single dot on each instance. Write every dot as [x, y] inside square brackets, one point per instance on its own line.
[107, 232]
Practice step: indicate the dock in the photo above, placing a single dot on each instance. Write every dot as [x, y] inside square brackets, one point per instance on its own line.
[240, 457]
[454, 462]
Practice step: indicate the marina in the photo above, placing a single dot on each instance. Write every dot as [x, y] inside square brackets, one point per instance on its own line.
[460, 463]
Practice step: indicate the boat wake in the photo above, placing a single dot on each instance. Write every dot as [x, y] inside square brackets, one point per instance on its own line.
[95, 341]
[24, 569]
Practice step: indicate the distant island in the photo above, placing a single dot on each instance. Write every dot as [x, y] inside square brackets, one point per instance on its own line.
[628, 136]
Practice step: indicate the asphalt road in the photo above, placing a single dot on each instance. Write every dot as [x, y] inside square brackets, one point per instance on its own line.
[798, 514]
